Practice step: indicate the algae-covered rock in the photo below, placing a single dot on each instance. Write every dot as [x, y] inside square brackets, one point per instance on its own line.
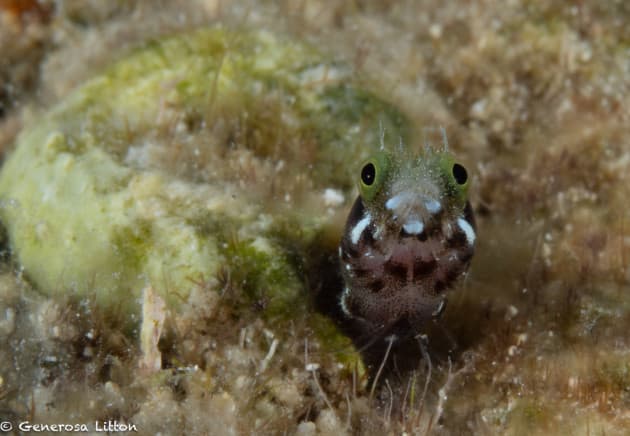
[194, 157]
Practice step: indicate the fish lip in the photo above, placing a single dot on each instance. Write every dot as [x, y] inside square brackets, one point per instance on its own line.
[413, 227]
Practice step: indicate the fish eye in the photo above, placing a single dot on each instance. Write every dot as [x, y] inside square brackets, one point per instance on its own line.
[460, 174]
[374, 173]
[368, 174]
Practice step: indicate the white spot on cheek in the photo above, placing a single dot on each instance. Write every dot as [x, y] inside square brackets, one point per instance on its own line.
[467, 229]
[356, 231]
[414, 227]
[433, 206]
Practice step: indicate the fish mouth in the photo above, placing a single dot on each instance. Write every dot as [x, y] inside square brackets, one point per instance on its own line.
[416, 213]
[413, 227]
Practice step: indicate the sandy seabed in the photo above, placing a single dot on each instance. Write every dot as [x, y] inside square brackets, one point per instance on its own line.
[534, 97]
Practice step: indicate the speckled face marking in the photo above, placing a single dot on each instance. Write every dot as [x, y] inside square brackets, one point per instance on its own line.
[409, 236]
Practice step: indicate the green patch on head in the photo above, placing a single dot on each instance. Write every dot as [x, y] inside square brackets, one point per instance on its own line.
[453, 175]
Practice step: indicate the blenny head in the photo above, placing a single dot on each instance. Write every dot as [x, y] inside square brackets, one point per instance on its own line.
[409, 236]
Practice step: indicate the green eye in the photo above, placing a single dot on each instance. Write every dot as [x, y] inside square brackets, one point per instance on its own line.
[373, 174]
[455, 177]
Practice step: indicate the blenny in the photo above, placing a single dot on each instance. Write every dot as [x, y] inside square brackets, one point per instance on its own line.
[409, 236]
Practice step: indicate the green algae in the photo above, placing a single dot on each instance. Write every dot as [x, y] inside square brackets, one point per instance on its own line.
[89, 218]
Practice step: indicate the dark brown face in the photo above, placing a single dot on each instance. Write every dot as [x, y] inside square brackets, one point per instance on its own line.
[402, 250]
